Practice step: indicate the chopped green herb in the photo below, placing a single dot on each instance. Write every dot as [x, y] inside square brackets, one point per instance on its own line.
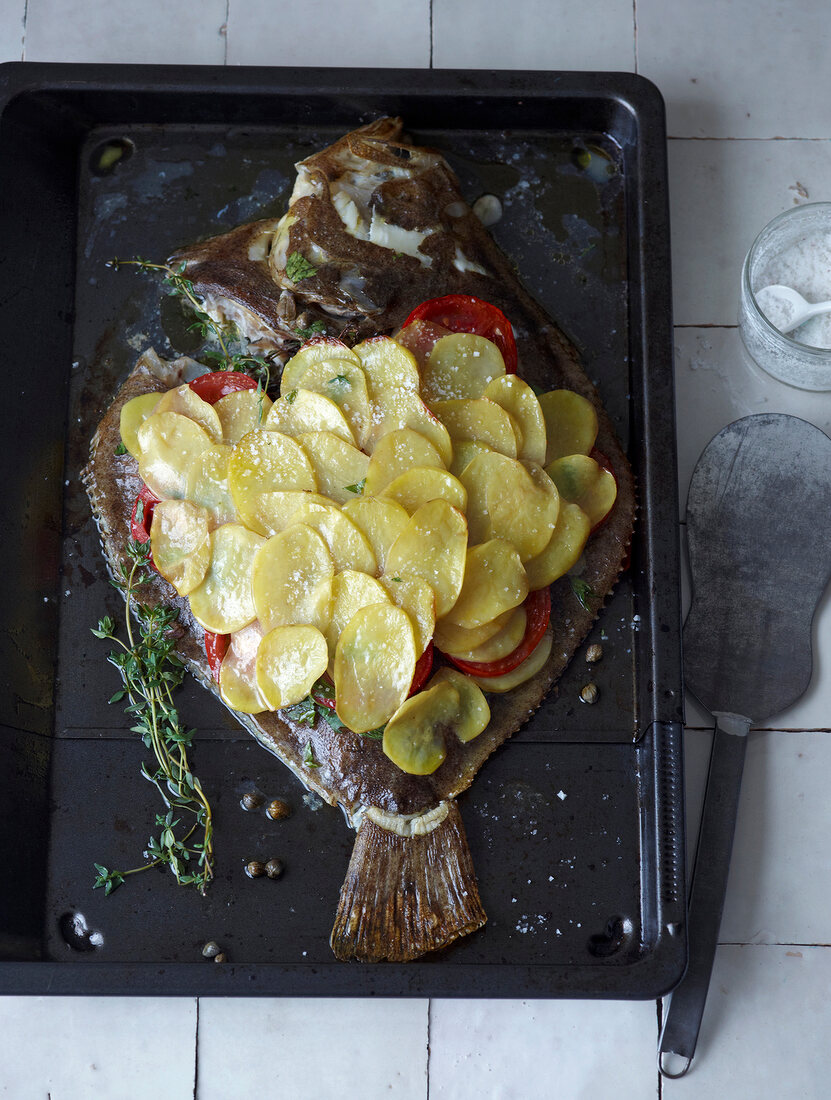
[299, 268]
[291, 397]
[357, 488]
[375, 735]
[309, 757]
[303, 712]
[314, 329]
[338, 380]
[583, 591]
[121, 449]
[395, 578]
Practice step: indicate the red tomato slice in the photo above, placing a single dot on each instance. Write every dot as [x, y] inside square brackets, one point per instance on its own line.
[219, 383]
[423, 668]
[538, 611]
[464, 313]
[142, 515]
[216, 646]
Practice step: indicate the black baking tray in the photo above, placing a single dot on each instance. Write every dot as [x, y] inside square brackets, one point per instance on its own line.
[576, 825]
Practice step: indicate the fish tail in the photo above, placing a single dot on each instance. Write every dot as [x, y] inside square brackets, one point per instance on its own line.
[410, 887]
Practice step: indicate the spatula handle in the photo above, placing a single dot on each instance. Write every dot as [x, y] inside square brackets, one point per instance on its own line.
[712, 863]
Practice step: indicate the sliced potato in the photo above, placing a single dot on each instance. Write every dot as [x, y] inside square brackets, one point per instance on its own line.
[347, 543]
[263, 461]
[351, 590]
[529, 667]
[241, 412]
[397, 452]
[208, 484]
[454, 639]
[186, 401]
[522, 505]
[418, 599]
[238, 671]
[344, 383]
[388, 367]
[339, 467]
[397, 409]
[563, 550]
[414, 736]
[432, 546]
[460, 365]
[518, 399]
[464, 452]
[374, 664]
[324, 349]
[415, 487]
[291, 579]
[382, 521]
[505, 641]
[180, 542]
[474, 712]
[289, 660]
[494, 581]
[306, 411]
[133, 414]
[168, 444]
[584, 482]
[480, 419]
[224, 601]
[275, 510]
[570, 424]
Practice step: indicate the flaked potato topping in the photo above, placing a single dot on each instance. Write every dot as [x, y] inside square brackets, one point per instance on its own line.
[382, 504]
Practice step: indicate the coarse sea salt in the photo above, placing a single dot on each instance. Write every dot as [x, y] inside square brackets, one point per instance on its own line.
[805, 266]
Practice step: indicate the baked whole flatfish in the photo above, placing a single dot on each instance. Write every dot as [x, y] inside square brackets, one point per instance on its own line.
[376, 226]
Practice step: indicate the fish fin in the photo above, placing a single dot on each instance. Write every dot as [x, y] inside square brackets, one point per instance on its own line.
[405, 895]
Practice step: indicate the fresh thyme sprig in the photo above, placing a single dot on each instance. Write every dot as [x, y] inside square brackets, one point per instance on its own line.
[150, 670]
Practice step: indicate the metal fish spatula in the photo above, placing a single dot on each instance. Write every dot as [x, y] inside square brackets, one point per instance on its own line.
[759, 538]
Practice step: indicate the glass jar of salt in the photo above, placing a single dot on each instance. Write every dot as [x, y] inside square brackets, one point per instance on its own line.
[793, 250]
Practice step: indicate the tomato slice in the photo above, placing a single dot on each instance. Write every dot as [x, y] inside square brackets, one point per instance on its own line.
[423, 668]
[464, 313]
[142, 515]
[219, 383]
[538, 612]
[216, 646]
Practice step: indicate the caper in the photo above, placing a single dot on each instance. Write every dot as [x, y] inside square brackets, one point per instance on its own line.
[274, 868]
[220, 958]
[594, 653]
[255, 869]
[252, 800]
[589, 693]
[278, 809]
[211, 949]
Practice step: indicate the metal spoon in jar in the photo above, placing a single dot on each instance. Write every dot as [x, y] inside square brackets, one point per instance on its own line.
[785, 307]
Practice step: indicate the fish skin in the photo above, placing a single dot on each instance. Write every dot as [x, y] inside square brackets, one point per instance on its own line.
[354, 773]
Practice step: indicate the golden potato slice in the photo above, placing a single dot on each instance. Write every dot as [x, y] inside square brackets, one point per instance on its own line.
[518, 399]
[208, 484]
[238, 671]
[133, 414]
[374, 664]
[242, 412]
[418, 599]
[351, 590]
[510, 500]
[168, 444]
[388, 366]
[415, 487]
[474, 712]
[450, 638]
[394, 454]
[348, 545]
[570, 424]
[460, 366]
[344, 383]
[339, 467]
[289, 660]
[324, 349]
[432, 546]
[263, 461]
[397, 409]
[414, 736]
[505, 641]
[224, 601]
[186, 401]
[464, 452]
[275, 510]
[304, 410]
[382, 521]
[494, 581]
[529, 667]
[479, 419]
[584, 482]
[291, 579]
[563, 550]
[180, 542]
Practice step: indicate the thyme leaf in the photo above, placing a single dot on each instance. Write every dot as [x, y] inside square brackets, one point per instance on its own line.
[583, 591]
